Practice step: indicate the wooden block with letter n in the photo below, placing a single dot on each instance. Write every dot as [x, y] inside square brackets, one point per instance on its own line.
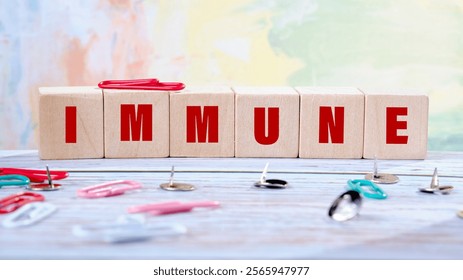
[136, 123]
[202, 122]
[331, 123]
[266, 122]
[70, 122]
[396, 124]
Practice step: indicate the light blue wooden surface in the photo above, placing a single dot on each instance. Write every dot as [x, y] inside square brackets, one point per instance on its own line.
[252, 223]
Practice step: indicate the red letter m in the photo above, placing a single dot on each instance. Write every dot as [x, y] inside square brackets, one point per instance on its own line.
[202, 125]
[139, 123]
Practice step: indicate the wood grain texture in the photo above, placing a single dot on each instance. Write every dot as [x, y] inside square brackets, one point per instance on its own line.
[157, 145]
[221, 97]
[351, 100]
[417, 104]
[252, 223]
[88, 102]
[286, 99]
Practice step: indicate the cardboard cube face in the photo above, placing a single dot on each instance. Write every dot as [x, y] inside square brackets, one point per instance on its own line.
[70, 122]
[331, 122]
[136, 123]
[203, 122]
[396, 124]
[266, 122]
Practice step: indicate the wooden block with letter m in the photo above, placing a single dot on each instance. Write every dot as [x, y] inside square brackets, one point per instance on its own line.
[136, 123]
[202, 122]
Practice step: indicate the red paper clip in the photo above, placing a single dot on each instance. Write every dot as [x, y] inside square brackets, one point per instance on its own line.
[144, 84]
[36, 176]
[11, 203]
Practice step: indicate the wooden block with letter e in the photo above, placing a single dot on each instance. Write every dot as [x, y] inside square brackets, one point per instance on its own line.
[202, 122]
[331, 122]
[396, 124]
[70, 122]
[136, 123]
[266, 122]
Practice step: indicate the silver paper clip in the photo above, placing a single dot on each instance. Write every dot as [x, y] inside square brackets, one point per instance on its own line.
[270, 183]
[381, 178]
[127, 229]
[434, 187]
[174, 186]
[29, 214]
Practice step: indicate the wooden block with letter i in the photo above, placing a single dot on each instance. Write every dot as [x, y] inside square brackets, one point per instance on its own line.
[331, 122]
[136, 123]
[266, 122]
[70, 122]
[202, 122]
[396, 124]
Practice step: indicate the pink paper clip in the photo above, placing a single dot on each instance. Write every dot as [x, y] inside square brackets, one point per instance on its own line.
[112, 188]
[171, 207]
[143, 84]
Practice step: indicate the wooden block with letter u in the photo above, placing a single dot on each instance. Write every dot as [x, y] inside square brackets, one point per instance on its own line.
[202, 122]
[70, 122]
[136, 123]
[331, 122]
[266, 122]
[396, 124]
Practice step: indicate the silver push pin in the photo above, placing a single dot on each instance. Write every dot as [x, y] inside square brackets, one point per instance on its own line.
[50, 186]
[346, 206]
[381, 178]
[174, 186]
[434, 187]
[270, 183]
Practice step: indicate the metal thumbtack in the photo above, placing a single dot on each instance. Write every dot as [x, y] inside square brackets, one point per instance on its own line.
[381, 178]
[435, 187]
[174, 186]
[50, 186]
[270, 183]
[346, 206]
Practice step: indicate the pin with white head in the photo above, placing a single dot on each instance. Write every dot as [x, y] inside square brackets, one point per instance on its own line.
[270, 183]
[381, 178]
[175, 186]
[50, 186]
[434, 187]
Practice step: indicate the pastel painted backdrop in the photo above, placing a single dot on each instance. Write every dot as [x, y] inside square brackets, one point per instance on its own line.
[381, 43]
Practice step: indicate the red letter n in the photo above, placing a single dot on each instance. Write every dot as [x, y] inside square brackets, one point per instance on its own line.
[202, 125]
[140, 124]
[331, 126]
[392, 125]
[70, 121]
[273, 125]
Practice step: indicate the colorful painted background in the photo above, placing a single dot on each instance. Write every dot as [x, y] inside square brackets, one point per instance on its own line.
[382, 43]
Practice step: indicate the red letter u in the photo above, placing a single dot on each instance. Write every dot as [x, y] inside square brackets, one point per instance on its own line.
[273, 126]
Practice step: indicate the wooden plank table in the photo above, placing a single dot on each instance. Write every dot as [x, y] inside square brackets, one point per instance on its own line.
[252, 223]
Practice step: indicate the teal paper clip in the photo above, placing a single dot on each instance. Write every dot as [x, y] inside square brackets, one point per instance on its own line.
[13, 180]
[367, 188]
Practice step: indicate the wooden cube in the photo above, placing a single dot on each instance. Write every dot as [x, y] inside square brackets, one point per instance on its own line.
[70, 122]
[266, 122]
[331, 122]
[396, 124]
[202, 122]
[136, 123]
